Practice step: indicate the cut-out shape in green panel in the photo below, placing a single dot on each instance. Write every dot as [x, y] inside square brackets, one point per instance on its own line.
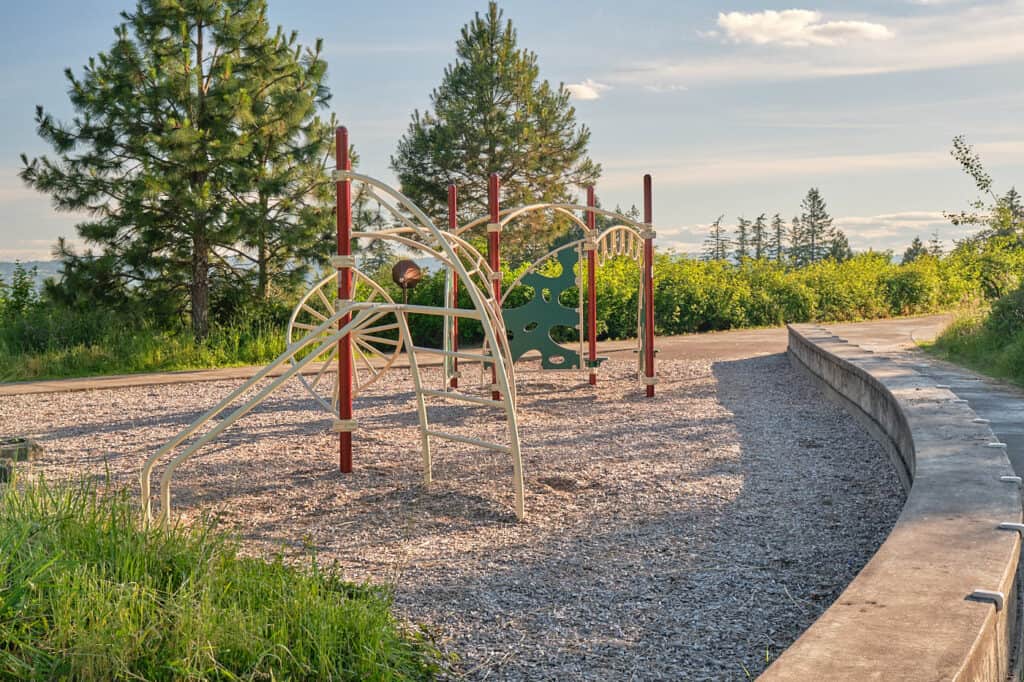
[530, 325]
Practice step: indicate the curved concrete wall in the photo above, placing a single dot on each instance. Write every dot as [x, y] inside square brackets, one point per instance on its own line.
[910, 614]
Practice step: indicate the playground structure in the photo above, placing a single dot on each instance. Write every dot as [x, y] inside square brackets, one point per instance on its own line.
[348, 321]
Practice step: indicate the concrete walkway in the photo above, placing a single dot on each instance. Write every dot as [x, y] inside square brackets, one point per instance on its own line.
[994, 400]
[730, 345]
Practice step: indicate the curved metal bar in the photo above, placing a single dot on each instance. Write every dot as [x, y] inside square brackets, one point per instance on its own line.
[491, 319]
[147, 468]
[485, 309]
[511, 214]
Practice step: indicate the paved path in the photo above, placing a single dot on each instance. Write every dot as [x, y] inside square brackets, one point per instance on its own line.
[730, 345]
[991, 399]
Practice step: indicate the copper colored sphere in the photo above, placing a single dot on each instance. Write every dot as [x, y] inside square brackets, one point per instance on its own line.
[406, 274]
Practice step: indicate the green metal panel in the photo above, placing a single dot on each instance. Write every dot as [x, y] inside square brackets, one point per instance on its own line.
[530, 325]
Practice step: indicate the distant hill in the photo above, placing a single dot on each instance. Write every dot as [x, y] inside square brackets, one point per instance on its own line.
[45, 268]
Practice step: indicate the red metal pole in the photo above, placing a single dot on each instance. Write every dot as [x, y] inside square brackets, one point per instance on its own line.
[648, 288]
[591, 288]
[344, 211]
[494, 257]
[453, 224]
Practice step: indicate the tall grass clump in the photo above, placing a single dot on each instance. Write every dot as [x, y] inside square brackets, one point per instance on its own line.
[990, 341]
[86, 594]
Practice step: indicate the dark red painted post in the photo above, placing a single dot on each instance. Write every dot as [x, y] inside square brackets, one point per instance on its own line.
[648, 287]
[453, 224]
[344, 211]
[591, 287]
[494, 258]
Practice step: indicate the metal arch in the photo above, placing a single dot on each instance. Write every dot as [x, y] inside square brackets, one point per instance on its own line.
[363, 316]
[632, 250]
[574, 244]
[510, 214]
[632, 247]
[485, 309]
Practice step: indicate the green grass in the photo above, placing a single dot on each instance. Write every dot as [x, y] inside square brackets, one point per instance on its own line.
[86, 594]
[121, 350]
[974, 342]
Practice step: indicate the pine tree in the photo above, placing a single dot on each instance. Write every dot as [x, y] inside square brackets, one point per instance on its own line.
[195, 102]
[759, 237]
[376, 254]
[286, 216]
[914, 251]
[603, 222]
[742, 240]
[815, 227]
[716, 246]
[777, 240]
[1013, 210]
[797, 248]
[935, 247]
[491, 113]
[839, 249]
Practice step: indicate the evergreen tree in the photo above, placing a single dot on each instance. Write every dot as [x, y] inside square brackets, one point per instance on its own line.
[376, 254]
[935, 247]
[914, 251]
[797, 249]
[815, 227]
[742, 240]
[716, 246]
[284, 201]
[1014, 209]
[491, 113]
[777, 240]
[839, 249]
[603, 222]
[759, 237]
[194, 139]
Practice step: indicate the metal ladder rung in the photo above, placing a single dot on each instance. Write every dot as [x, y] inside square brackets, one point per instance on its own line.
[454, 395]
[470, 441]
[454, 354]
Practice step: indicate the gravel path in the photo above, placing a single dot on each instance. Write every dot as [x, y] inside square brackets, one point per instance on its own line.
[693, 536]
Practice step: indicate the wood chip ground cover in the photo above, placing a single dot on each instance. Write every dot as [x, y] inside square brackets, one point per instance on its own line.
[692, 536]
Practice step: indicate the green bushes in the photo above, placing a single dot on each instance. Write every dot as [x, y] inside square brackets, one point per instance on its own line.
[992, 343]
[86, 595]
[690, 296]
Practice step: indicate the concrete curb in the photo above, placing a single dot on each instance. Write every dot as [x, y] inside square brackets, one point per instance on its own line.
[910, 613]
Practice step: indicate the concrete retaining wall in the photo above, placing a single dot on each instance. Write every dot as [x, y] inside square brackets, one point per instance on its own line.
[909, 614]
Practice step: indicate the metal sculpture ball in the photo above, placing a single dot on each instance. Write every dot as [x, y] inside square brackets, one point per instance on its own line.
[406, 274]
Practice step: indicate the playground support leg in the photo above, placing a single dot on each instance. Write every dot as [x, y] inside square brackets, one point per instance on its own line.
[648, 279]
[453, 224]
[344, 237]
[494, 256]
[591, 290]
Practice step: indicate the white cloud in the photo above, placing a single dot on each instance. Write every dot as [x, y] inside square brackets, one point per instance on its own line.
[896, 230]
[797, 28]
[665, 87]
[587, 90]
[955, 37]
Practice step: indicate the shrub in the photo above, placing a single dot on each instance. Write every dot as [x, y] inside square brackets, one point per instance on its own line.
[1007, 317]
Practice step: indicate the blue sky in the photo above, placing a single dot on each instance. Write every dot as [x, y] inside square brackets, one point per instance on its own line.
[734, 108]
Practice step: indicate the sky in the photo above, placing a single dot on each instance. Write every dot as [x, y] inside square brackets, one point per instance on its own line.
[735, 109]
